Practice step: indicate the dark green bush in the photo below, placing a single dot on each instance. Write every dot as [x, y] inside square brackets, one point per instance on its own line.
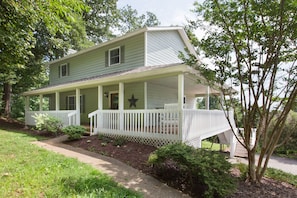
[74, 132]
[208, 169]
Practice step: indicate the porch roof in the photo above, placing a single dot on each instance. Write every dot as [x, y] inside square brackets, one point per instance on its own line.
[134, 75]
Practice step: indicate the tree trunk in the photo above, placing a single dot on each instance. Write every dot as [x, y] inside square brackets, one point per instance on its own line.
[6, 99]
[252, 166]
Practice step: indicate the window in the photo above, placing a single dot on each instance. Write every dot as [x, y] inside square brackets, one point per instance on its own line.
[71, 104]
[64, 70]
[114, 56]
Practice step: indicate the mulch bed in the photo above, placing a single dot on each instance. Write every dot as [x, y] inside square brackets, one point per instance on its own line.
[136, 155]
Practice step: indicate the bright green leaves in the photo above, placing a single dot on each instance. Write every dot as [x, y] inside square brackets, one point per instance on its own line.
[252, 46]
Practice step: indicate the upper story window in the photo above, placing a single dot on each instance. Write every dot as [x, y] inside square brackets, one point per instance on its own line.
[114, 56]
[64, 70]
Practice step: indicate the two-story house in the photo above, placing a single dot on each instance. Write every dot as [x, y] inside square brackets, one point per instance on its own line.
[133, 86]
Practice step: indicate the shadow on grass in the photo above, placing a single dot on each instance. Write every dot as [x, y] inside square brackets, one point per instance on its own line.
[97, 185]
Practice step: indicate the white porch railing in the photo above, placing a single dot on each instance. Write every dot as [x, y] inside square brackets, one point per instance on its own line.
[158, 127]
[201, 124]
[68, 117]
[154, 127]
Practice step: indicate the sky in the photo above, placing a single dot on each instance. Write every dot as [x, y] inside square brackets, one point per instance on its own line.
[169, 12]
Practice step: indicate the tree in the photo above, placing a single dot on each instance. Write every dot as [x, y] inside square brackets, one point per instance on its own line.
[31, 31]
[101, 19]
[129, 20]
[253, 49]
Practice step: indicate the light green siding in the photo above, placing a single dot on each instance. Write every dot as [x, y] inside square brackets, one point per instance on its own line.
[137, 89]
[163, 47]
[92, 63]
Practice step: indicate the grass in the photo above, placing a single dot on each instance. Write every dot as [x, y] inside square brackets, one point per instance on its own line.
[209, 145]
[273, 174]
[29, 171]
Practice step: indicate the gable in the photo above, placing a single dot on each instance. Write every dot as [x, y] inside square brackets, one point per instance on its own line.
[163, 47]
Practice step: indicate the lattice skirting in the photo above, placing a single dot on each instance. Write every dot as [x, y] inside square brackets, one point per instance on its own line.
[152, 141]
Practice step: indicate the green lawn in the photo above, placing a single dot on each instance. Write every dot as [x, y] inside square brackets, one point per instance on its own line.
[29, 171]
[211, 146]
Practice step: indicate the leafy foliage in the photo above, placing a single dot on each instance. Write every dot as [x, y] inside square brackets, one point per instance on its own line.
[252, 49]
[74, 132]
[44, 122]
[209, 168]
[289, 139]
[129, 20]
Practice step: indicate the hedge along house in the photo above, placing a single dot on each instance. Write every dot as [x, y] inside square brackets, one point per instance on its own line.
[133, 86]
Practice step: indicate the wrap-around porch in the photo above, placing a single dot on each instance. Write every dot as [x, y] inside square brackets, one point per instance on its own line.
[165, 110]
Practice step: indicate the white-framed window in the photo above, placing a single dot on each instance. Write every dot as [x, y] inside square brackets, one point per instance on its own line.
[71, 103]
[114, 56]
[64, 70]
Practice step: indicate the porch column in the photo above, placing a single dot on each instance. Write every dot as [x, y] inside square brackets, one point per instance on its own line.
[77, 105]
[180, 104]
[207, 98]
[40, 102]
[100, 107]
[100, 97]
[27, 103]
[57, 95]
[145, 95]
[121, 105]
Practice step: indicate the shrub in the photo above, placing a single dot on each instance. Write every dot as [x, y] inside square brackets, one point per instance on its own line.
[45, 122]
[74, 132]
[289, 137]
[119, 141]
[208, 169]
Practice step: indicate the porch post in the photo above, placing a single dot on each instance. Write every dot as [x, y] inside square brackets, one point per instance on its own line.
[121, 105]
[40, 102]
[100, 97]
[207, 99]
[145, 104]
[100, 107]
[145, 95]
[180, 104]
[57, 94]
[27, 103]
[77, 105]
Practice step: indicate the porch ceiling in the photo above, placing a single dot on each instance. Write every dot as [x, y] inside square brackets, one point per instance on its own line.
[191, 85]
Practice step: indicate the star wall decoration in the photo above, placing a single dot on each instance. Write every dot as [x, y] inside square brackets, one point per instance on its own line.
[132, 101]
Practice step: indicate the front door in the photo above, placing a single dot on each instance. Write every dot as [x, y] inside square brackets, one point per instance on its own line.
[114, 100]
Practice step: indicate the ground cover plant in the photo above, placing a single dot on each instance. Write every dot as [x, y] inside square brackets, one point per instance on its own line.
[29, 171]
[203, 169]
